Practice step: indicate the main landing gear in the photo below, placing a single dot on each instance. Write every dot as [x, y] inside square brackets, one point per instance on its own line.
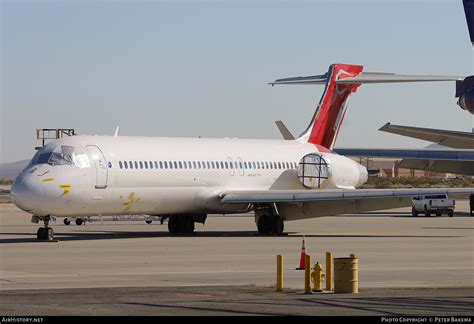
[181, 224]
[45, 233]
[79, 221]
[268, 221]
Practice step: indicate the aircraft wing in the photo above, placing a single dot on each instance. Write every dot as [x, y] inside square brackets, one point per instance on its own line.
[304, 204]
[427, 154]
[449, 161]
[454, 139]
[458, 167]
[287, 196]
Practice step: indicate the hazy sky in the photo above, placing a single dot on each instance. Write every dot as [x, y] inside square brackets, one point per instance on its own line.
[190, 68]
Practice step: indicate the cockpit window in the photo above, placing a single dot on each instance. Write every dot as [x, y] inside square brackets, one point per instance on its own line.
[62, 155]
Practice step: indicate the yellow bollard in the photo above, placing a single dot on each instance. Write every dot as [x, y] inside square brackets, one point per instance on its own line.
[318, 276]
[329, 267]
[279, 273]
[307, 274]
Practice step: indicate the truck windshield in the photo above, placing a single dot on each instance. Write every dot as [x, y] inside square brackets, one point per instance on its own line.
[436, 197]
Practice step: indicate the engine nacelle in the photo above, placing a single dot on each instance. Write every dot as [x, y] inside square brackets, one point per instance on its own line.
[465, 93]
[326, 171]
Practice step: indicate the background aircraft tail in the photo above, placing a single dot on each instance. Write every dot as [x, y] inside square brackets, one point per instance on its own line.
[341, 80]
[469, 11]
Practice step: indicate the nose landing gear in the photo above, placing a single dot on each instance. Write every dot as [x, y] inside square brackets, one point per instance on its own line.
[45, 233]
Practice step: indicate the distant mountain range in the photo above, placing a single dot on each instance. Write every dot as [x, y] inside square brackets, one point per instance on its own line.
[9, 171]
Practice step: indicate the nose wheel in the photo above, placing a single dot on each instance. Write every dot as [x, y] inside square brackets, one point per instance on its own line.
[45, 233]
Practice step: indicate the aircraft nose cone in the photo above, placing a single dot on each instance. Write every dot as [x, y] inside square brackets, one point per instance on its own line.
[27, 192]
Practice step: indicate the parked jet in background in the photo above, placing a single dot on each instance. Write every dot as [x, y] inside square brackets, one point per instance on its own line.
[187, 178]
[459, 158]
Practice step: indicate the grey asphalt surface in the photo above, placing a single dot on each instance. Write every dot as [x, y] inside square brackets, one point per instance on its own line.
[406, 265]
[239, 300]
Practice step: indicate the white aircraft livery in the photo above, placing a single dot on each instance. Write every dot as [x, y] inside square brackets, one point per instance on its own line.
[187, 178]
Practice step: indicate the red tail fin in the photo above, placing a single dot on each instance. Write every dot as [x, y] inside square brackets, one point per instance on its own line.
[327, 119]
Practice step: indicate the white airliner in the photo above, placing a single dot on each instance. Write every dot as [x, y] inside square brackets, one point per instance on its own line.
[188, 178]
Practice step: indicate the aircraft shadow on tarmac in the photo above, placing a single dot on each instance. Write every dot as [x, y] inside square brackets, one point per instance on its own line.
[398, 305]
[395, 306]
[110, 235]
[377, 305]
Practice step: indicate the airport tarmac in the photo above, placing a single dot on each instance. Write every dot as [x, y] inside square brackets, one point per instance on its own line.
[395, 251]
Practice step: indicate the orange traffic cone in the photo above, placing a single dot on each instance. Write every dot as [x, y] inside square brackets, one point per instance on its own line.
[302, 257]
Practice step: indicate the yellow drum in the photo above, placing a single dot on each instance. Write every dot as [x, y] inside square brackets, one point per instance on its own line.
[346, 275]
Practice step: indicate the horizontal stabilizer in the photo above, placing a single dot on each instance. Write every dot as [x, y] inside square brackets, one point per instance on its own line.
[367, 77]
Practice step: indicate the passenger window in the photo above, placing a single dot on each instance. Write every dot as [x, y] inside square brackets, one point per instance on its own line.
[131, 164]
[180, 165]
[208, 165]
[136, 164]
[217, 165]
[120, 164]
[194, 165]
[175, 164]
[156, 165]
[171, 164]
[226, 165]
[151, 165]
[146, 164]
[125, 164]
[161, 165]
[165, 164]
[245, 165]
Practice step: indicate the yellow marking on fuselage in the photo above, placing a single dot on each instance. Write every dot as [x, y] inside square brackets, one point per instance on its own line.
[66, 188]
[48, 179]
[131, 201]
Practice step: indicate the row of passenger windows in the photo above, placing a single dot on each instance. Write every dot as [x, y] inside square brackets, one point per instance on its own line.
[211, 165]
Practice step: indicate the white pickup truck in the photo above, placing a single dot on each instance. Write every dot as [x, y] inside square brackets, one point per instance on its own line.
[437, 204]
